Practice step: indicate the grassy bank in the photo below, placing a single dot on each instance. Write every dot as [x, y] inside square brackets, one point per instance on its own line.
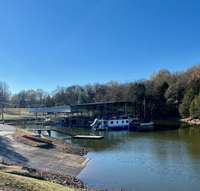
[20, 183]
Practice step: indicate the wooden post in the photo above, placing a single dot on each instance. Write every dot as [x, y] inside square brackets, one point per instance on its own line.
[2, 113]
[144, 109]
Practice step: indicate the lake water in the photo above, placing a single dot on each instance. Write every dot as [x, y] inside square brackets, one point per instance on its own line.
[165, 160]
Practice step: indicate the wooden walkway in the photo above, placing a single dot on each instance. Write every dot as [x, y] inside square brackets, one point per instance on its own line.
[64, 131]
[87, 137]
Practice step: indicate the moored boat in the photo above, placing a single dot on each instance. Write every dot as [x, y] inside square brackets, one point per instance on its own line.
[38, 139]
[146, 126]
[120, 123]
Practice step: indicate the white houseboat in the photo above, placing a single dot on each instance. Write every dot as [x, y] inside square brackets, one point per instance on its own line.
[112, 124]
[123, 123]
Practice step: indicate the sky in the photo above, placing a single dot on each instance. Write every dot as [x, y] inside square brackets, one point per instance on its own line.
[50, 43]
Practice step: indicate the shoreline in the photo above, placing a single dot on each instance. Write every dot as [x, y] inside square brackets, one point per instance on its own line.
[191, 121]
[64, 162]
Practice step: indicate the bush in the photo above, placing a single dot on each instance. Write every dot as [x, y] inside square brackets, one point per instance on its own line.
[195, 107]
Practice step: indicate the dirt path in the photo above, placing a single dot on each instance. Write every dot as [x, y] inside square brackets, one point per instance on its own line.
[50, 160]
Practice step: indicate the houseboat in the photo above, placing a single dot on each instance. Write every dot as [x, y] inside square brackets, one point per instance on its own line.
[123, 123]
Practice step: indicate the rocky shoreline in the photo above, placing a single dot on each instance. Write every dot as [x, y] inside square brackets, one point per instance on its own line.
[65, 180]
[56, 178]
[191, 121]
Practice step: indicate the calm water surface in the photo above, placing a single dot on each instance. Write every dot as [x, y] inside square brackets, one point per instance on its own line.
[167, 160]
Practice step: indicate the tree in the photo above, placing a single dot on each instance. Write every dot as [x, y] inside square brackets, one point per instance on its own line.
[4, 92]
[164, 95]
[136, 93]
[49, 101]
[185, 105]
[193, 89]
[161, 77]
[29, 98]
[4, 97]
[195, 107]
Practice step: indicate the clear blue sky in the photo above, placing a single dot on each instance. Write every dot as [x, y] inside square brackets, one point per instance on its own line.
[46, 43]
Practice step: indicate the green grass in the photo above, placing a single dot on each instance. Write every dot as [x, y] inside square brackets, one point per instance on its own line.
[21, 183]
[16, 117]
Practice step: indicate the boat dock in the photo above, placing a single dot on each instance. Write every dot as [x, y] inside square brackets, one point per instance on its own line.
[87, 137]
[48, 129]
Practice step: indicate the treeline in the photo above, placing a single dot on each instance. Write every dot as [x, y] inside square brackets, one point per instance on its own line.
[164, 95]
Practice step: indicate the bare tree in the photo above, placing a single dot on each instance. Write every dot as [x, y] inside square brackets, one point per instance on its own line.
[4, 97]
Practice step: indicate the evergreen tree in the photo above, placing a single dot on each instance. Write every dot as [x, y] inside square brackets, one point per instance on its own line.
[195, 107]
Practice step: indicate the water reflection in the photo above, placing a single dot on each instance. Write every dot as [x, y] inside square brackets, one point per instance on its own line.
[145, 161]
[166, 160]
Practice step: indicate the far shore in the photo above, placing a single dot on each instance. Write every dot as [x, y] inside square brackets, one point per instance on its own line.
[191, 121]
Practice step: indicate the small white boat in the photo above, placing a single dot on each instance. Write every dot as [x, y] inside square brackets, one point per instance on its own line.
[149, 126]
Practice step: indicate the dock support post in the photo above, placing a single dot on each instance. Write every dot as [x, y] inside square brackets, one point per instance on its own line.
[39, 132]
[49, 133]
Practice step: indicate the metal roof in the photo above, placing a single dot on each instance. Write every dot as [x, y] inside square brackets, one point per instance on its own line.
[57, 109]
[100, 105]
[68, 108]
[103, 103]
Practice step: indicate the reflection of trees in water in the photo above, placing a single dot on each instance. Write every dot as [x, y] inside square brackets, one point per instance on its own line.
[163, 145]
[111, 139]
[191, 137]
[174, 152]
[180, 145]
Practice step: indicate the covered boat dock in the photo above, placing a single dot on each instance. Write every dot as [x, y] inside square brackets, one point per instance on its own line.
[82, 115]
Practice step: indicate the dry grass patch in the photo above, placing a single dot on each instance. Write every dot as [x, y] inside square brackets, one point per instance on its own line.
[20, 183]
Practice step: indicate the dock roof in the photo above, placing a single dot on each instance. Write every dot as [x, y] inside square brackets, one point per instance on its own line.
[77, 107]
[57, 109]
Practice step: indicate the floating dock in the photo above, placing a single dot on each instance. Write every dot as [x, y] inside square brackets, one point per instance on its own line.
[87, 137]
